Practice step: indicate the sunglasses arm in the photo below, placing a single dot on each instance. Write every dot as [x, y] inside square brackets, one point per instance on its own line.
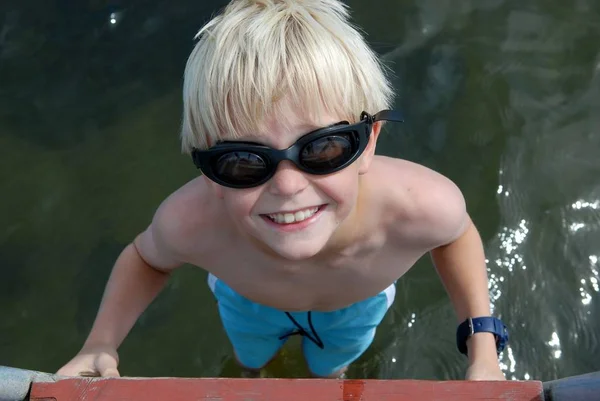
[387, 115]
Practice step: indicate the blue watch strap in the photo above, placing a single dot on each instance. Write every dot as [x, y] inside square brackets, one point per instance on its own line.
[487, 324]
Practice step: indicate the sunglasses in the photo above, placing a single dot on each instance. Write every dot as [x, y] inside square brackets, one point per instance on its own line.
[320, 152]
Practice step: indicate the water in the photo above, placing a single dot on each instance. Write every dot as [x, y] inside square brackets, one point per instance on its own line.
[500, 96]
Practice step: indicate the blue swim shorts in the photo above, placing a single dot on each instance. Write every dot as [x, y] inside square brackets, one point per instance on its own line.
[331, 340]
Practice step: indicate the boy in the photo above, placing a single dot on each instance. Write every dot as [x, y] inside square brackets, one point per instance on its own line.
[303, 230]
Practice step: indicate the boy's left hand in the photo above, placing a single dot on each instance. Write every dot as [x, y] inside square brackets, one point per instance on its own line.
[484, 370]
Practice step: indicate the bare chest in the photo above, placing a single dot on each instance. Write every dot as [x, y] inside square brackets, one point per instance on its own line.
[363, 272]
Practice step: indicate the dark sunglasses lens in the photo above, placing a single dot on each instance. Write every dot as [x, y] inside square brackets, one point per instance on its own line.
[241, 168]
[328, 153]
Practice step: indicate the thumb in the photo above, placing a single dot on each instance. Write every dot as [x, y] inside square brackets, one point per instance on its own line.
[107, 365]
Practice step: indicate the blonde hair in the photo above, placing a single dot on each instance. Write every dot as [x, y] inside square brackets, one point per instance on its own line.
[258, 52]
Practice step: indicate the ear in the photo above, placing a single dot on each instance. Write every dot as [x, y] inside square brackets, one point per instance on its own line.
[367, 156]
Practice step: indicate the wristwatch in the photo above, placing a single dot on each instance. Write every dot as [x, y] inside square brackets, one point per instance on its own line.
[487, 324]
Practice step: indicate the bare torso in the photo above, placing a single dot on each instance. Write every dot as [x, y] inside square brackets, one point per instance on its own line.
[316, 285]
[383, 247]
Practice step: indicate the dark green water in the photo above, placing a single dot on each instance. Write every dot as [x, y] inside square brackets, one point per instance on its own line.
[501, 96]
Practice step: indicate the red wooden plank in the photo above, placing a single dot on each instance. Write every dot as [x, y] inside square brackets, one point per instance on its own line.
[177, 389]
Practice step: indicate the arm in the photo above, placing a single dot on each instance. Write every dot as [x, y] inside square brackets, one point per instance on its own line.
[132, 286]
[461, 267]
[139, 274]
[442, 225]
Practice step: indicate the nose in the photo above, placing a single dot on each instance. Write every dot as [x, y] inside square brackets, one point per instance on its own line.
[288, 180]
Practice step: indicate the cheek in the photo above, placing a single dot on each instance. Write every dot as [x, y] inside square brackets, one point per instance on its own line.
[240, 202]
[341, 187]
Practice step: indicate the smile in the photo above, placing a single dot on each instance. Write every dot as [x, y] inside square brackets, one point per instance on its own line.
[295, 217]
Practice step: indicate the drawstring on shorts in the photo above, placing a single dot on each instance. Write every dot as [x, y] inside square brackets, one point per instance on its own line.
[316, 339]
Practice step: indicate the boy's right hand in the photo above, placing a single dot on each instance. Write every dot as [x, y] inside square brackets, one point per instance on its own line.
[93, 361]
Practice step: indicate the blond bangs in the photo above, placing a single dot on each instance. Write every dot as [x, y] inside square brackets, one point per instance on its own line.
[259, 53]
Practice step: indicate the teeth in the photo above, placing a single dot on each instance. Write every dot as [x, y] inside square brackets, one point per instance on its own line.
[289, 218]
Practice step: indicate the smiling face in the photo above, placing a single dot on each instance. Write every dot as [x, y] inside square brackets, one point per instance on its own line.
[295, 214]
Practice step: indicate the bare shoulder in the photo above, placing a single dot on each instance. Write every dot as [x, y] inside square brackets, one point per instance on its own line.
[177, 231]
[427, 207]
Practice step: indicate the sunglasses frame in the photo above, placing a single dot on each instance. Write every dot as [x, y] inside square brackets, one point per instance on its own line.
[203, 159]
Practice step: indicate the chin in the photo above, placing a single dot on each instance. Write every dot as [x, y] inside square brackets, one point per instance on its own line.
[296, 245]
[296, 253]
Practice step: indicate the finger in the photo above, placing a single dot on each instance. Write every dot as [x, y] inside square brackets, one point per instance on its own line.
[107, 366]
[69, 371]
[111, 372]
[89, 373]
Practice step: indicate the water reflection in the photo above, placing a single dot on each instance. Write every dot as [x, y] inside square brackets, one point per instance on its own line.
[586, 297]
[581, 204]
[508, 364]
[554, 343]
[511, 239]
[115, 18]
[413, 318]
